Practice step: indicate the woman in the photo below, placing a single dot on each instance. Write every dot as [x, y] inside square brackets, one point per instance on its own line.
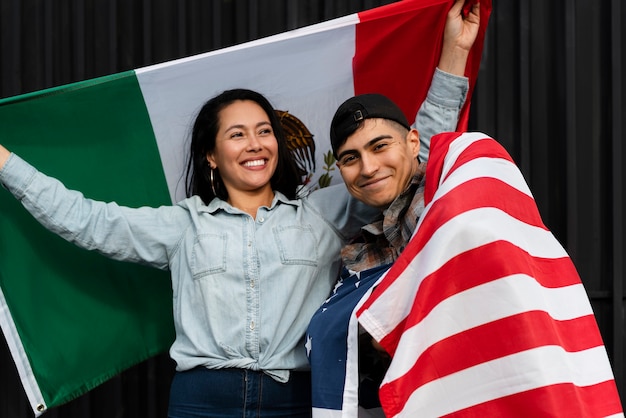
[243, 290]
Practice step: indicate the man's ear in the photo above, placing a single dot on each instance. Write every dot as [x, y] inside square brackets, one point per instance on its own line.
[413, 140]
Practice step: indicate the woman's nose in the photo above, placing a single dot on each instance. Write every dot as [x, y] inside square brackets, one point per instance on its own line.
[253, 143]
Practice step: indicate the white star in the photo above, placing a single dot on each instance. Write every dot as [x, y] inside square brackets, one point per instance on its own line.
[337, 286]
[308, 345]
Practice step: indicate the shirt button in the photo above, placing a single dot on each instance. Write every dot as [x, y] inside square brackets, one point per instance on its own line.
[252, 325]
[261, 219]
[252, 283]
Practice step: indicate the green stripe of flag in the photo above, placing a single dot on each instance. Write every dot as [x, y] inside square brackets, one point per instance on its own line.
[77, 308]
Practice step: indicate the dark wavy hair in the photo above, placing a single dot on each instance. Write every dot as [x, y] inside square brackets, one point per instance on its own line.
[203, 136]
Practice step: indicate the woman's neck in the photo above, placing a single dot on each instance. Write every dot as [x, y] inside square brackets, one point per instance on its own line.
[251, 201]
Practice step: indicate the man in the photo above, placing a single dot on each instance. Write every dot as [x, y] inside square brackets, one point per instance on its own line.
[476, 300]
[480, 306]
[377, 154]
[500, 344]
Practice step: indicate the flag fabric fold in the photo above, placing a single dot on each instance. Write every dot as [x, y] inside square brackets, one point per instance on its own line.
[73, 319]
[484, 313]
[332, 344]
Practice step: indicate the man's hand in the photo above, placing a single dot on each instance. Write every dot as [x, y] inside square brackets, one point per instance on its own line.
[459, 36]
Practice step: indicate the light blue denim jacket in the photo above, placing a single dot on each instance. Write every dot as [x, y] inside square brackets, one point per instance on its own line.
[244, 289]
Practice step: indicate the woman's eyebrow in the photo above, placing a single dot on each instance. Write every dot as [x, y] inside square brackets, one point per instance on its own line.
[241, 126]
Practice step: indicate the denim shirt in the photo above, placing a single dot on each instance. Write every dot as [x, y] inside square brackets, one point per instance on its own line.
[244, 289]
[441, 108]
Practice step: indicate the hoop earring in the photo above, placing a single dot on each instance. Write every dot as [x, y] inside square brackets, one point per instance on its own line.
[212, 182]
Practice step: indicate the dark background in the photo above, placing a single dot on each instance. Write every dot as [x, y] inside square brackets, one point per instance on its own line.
[550, 90]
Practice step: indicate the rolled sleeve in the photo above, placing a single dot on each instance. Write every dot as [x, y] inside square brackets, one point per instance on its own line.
[16, 175]
[440, 111]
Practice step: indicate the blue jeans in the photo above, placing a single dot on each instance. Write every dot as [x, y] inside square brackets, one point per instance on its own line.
[203, 392]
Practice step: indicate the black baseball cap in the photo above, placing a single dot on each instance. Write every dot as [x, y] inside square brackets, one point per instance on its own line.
[351, 114]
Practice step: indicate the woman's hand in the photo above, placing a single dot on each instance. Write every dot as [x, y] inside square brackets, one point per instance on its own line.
[4, 156]
[458, 37]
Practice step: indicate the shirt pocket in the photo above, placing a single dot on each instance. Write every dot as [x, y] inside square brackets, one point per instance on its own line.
[297, 244]
[209, 255]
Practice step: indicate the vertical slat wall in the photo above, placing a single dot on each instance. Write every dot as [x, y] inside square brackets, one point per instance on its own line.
[618, 175]
[551, 90]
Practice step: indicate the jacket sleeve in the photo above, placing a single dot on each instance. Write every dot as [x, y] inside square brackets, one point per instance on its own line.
[141, 235]
[440, 111]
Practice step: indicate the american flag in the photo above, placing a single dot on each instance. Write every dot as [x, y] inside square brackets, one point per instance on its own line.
[484, 312]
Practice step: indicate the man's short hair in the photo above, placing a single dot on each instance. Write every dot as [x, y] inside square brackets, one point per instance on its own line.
[351, 114]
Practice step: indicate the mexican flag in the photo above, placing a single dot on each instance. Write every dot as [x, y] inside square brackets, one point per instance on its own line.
[72, 318]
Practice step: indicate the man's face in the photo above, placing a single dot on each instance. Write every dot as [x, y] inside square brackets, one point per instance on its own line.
[378, 161]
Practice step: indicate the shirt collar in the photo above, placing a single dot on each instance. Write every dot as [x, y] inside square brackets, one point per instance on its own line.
[381, 242]
[218, 204]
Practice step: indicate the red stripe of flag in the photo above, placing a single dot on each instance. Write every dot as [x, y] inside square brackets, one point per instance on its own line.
[489, 342]
[480, 193]
[562, 400]
[482, 148]
[405, 78]
[442, 283]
